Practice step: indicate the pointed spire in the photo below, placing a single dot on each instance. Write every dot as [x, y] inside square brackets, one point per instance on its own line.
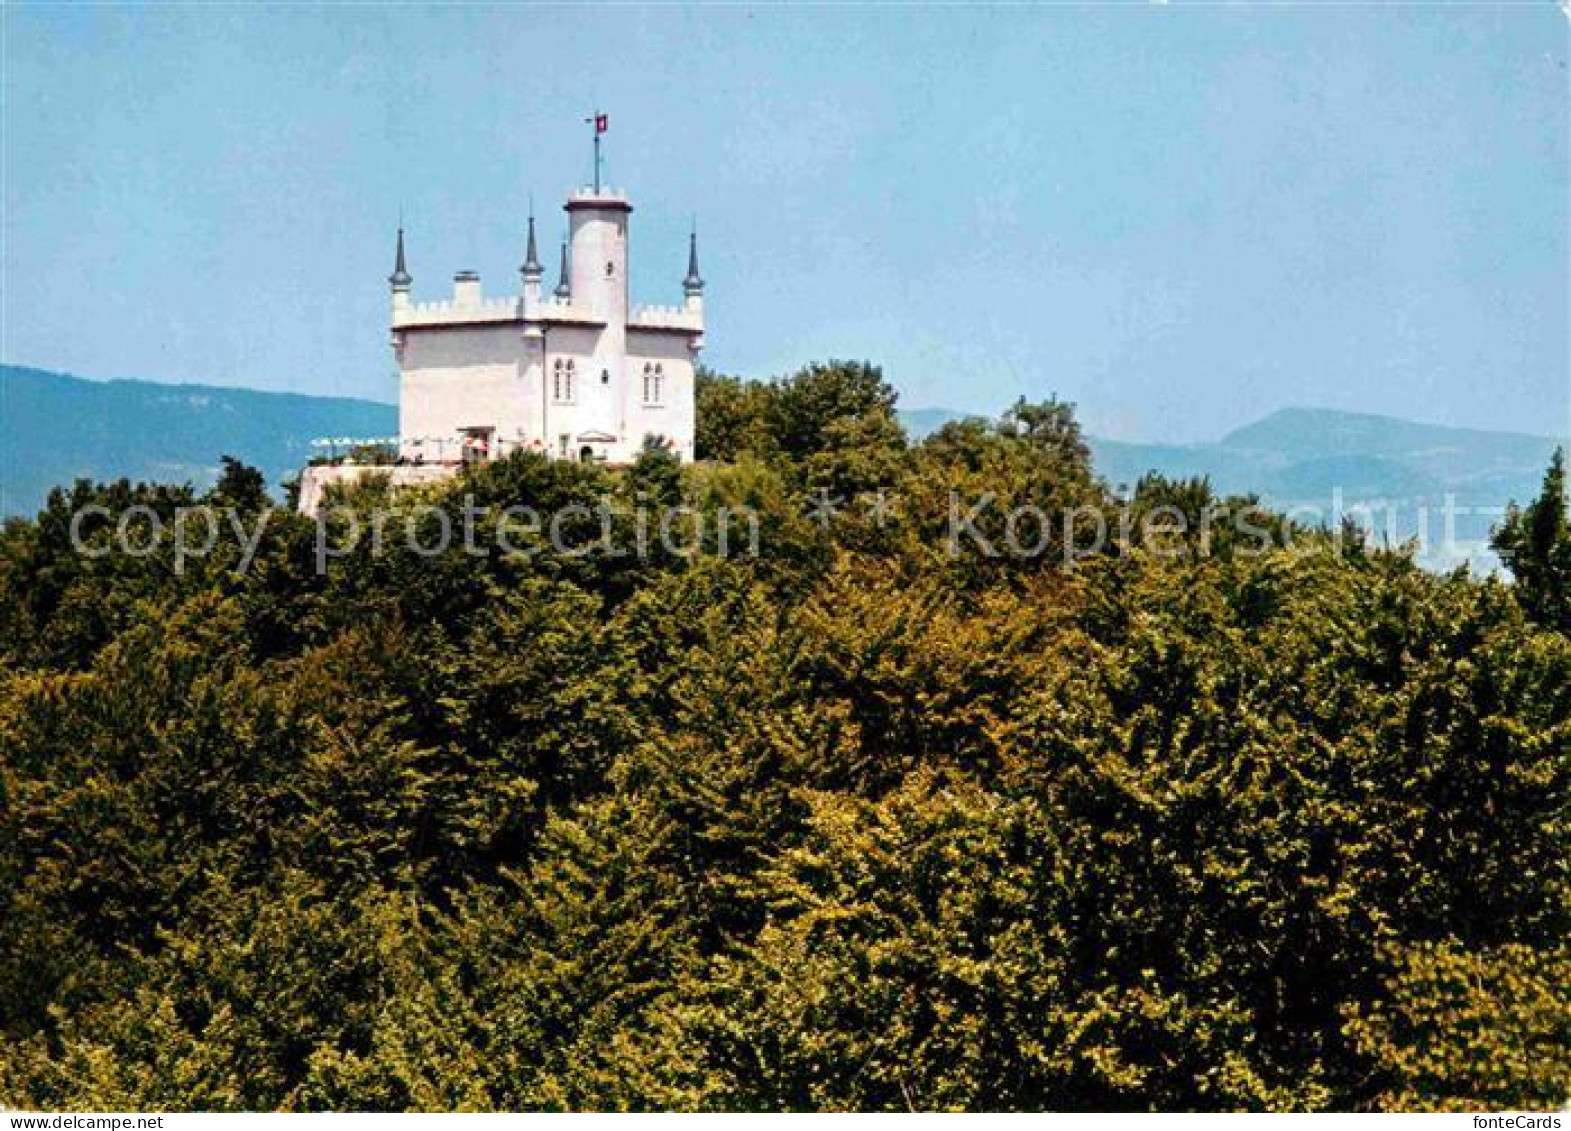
[694, 283]
[400, 278]
[531, 267]
[563, 289]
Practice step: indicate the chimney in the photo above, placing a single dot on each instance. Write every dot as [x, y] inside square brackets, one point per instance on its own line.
[466, 288]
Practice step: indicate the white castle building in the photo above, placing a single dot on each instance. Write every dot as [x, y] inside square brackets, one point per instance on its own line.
[579, 373]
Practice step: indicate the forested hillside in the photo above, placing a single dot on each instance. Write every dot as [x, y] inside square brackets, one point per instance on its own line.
[1268, 819]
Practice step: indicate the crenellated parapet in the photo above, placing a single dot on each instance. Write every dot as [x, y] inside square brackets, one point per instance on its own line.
[655, 317]
[587, 196]
[514, 308]
[457, 312]
[561, 310]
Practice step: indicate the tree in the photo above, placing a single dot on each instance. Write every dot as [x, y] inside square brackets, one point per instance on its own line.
[1049, 425]
[734, 417]
[239, 486]
[1535, 544]
[1467, 1030]
[811, 401]
[656, 475]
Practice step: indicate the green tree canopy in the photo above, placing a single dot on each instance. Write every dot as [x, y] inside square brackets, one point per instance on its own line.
[860, 820]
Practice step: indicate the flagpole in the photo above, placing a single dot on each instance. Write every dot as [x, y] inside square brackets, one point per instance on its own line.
[596, 121]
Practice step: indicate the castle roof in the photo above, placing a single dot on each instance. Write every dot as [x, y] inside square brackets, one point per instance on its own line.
[531, 257]
[400, 276]
[694, 283]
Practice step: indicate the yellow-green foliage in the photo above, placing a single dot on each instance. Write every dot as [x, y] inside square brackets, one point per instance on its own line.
[855, 824]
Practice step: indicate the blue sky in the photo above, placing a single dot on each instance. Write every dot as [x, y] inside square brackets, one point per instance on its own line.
[1179, 217]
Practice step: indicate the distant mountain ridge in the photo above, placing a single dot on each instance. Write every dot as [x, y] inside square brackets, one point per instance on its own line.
[56, 428]
[1307, 449]
[1311, 458]
[1298, 451]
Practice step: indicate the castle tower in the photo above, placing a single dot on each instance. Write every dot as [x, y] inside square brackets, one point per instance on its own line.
[597, 239]
[597, 234]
